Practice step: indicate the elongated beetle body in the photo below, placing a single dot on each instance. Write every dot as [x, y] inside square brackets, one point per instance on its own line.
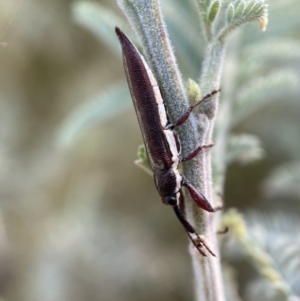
[160, 139]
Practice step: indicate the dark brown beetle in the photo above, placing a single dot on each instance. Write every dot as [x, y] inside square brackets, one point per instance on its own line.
[160, 139]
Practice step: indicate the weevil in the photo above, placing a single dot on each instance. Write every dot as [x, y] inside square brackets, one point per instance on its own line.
[160, 138]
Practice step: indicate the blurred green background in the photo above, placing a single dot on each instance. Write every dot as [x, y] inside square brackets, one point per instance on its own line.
[78, 220]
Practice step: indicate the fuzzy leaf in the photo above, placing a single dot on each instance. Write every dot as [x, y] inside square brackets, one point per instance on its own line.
[99, 20]
[206, 11]
[214, 10]
[239, 9]
[244, 149]
[94, 111]
[263, 91]
[230, 13]
[272, 49]
[256, 56]
[249, 7]
[143, 160]
[272, 244]
[279, 236]
[284, 181]
[204, 5]
[244, 12]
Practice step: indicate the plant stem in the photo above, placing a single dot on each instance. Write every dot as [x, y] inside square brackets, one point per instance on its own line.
[208, 278]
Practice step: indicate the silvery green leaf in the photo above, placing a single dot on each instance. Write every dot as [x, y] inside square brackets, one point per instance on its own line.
[213, 11]
[230, 13]
[239, 9]
[94, 111]
[244, 149]
[143, 160]
[271, 243]
[279, 236]
[262, 91]
[271, 51]
[250, 6]
[263, 290]
[207, 14]
[99, 20]
[284, 181]
[244, 11]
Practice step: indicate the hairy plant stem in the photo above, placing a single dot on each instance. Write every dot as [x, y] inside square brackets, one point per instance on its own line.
[147, 21]
[208, 278]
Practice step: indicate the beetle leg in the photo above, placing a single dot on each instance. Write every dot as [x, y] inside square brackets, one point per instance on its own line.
[198, 197]
[194, 153]
[186, 115]
[198, 241]
[188, 227]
